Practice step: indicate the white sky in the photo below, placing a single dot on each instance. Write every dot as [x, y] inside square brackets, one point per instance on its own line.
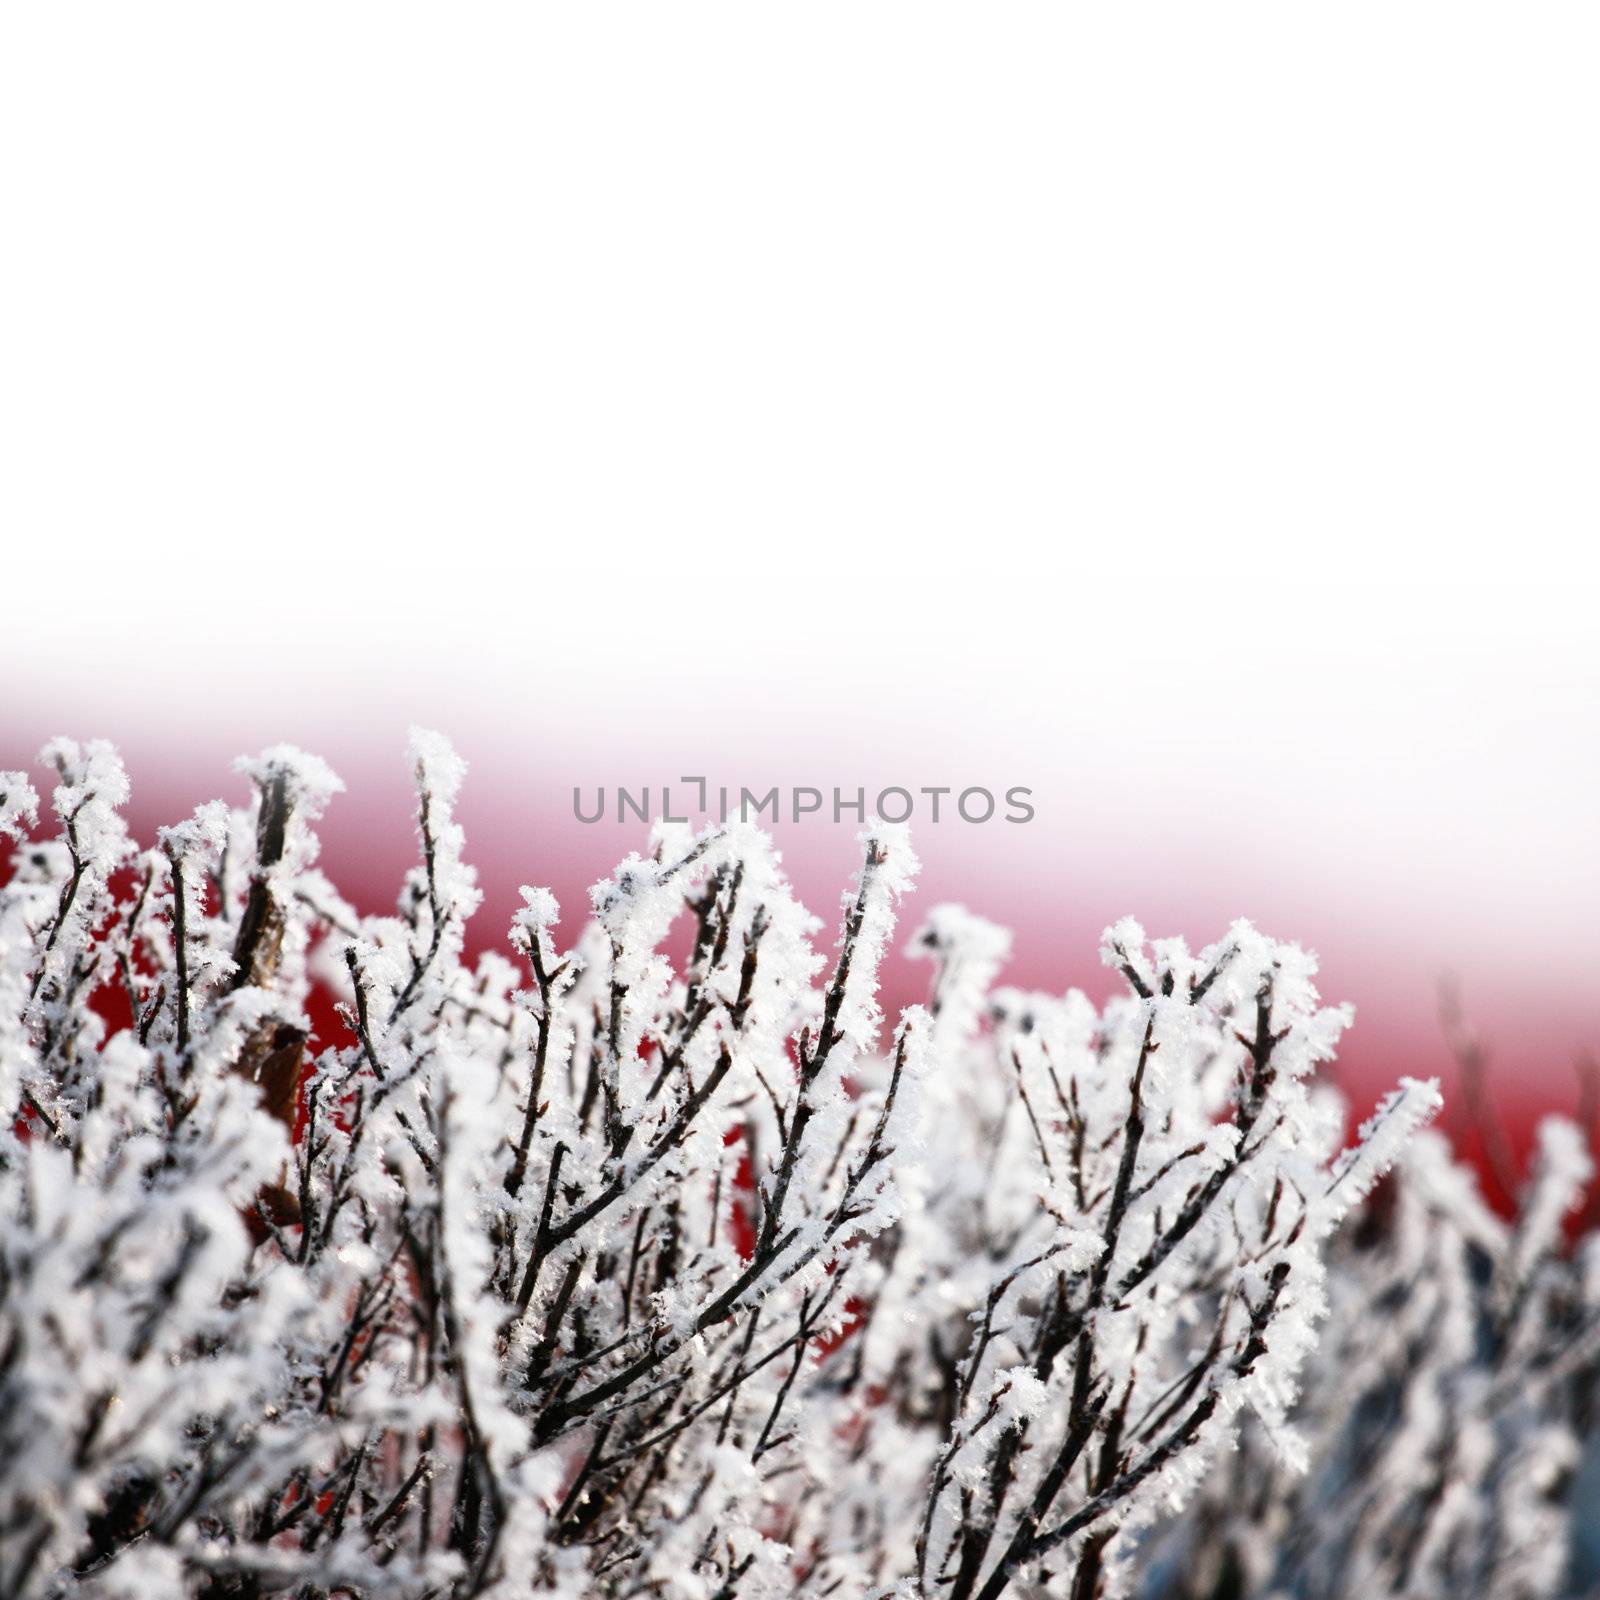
[1195, 405]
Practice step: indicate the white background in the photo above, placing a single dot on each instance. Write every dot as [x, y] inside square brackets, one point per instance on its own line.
[1187, 409]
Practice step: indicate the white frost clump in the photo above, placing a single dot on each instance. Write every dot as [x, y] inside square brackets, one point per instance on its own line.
[589, 1271]
[1448, 1419]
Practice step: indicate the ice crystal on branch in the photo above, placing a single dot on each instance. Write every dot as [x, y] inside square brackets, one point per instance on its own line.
[584, 1270]
[1451, 1406]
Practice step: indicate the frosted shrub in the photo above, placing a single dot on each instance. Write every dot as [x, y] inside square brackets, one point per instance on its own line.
[1451, 1408]
[598, 1271]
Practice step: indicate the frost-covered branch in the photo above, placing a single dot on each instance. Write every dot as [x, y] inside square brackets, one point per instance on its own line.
[584, 1270]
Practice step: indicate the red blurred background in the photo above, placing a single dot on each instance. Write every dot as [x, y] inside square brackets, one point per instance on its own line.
[1055, 882]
